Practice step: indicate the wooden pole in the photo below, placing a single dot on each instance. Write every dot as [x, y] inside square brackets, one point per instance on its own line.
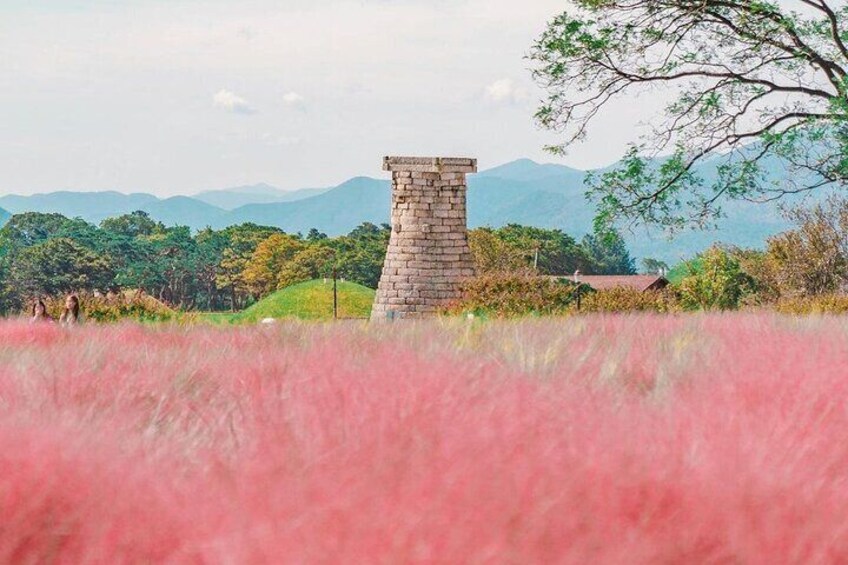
[335, 296]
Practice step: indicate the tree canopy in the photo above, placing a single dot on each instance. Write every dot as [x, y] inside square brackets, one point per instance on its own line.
[49, 254]
[59, 265]
[753, 83]
[522, 249]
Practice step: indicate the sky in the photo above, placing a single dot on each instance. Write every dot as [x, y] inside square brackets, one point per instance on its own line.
[178, 96]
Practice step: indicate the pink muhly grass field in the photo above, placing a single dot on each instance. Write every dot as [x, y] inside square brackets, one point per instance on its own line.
[720, 439]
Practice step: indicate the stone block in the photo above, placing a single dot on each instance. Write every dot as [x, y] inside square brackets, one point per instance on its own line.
[428, 255]
[430, 164]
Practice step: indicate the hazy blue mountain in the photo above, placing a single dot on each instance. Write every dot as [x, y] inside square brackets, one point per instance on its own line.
[91, 206]
[550, 196]
[186, 211]
[554, 200]
[4, 216]
[525, 170]
[745, 228]
[492, 201]
[551, 202]
[554, 197]
[232, 198]
[261, 189]
[334, 212]
[97, 206]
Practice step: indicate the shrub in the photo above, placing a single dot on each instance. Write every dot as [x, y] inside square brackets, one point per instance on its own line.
[813, 258]
[127, 305]
[823, 304]
[630, 300]
[719, 283]
[506, 295]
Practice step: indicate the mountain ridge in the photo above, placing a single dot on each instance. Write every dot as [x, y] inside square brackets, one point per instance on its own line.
[521, 191]
[262, 193]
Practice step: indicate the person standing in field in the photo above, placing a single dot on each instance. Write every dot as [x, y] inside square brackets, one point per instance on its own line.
[71, 313]
[39, 312]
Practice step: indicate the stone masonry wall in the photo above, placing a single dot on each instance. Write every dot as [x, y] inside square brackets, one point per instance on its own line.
[428, 256]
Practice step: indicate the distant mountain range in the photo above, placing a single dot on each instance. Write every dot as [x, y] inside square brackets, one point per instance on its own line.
[524, 192]
[232, 198]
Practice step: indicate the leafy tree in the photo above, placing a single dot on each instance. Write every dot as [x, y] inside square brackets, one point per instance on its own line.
[9, 299]
[759, 266]
[813, 258]
[754, 81]
[58, 266]
[31, 228]
[22, 247]
[262, 272]
[160, 264]
[719, 283]
[208, 256]
[608, 254]
[360, 254]
[242, 241]
[494, 255]
[170, 265]
[558, 253]
[683, 269]
[313, 262]
[315, 235]
[124, 239]
[132, 225]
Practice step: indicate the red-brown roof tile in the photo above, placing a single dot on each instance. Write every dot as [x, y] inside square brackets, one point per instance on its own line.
[636, 282]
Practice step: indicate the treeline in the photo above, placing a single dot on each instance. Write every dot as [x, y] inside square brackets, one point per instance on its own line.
[516, 248]
[215, 270]
[228, 269]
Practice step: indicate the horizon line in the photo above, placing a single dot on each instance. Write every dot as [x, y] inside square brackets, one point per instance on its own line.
[257, 184]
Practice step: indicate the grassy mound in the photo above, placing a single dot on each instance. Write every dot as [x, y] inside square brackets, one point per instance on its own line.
[312, 300]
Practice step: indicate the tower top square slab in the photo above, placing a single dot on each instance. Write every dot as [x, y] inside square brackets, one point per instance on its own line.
[430, 164]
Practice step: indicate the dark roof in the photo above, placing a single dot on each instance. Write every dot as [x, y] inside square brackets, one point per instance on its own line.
[636, 282]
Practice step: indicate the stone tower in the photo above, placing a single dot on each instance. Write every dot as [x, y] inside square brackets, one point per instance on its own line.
[428, 256]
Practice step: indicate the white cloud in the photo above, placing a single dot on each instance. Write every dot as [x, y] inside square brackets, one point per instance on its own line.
[293, 99]
[272, 140]
[506, 91]
[337, 48]
[232, 102]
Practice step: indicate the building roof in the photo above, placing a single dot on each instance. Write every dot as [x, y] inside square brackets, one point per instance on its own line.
[636, 282]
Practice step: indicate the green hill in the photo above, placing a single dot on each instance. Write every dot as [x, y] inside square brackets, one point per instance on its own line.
[311, 300]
